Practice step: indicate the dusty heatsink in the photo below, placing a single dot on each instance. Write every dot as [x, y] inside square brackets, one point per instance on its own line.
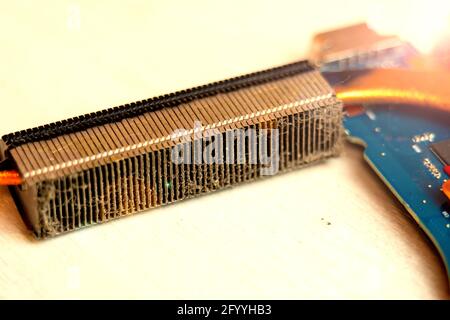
[120, 161]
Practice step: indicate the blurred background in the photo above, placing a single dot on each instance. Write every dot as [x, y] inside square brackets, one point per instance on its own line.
[329, 231]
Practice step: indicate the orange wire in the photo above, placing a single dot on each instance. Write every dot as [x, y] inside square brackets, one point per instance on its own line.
[10, 178]
[380, 95]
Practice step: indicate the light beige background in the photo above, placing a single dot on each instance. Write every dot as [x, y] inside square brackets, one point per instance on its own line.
[328, 231]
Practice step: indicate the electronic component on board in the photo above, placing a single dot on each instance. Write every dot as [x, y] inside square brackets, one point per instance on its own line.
[442, 151]
[446, 188]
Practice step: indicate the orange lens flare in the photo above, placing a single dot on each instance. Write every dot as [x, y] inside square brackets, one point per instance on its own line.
[10, 178]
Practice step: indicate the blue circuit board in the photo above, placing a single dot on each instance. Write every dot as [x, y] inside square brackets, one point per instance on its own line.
[397, 143]
[397, 140]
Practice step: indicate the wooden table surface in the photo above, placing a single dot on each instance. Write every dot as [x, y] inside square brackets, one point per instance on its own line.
[328, 231]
